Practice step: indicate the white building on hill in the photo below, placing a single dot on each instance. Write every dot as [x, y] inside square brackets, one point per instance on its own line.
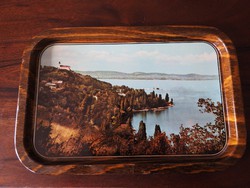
[64, 67]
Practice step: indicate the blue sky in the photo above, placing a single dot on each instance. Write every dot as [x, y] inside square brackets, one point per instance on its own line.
[170, 58]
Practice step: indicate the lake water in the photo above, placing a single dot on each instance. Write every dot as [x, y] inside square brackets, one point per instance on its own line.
[185, 95]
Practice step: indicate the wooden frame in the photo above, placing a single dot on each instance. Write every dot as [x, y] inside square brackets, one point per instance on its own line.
[231, 91]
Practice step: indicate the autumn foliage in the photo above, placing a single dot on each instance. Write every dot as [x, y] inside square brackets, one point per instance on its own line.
[84, 116]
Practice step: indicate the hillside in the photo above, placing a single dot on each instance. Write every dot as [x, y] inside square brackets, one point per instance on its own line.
[70, 102]
[78, 115]
[85, 99]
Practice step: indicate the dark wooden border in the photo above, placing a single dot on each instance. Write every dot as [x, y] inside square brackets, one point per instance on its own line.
[231, 91]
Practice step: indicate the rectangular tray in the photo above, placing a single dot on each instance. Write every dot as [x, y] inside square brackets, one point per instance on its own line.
[72, 122]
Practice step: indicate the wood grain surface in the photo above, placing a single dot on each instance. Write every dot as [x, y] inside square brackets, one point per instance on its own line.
[20, 20]
[231, 91]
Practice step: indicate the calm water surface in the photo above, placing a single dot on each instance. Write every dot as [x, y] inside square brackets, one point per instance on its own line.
[185, 95]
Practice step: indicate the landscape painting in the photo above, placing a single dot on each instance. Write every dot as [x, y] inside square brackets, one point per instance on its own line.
[129, 100]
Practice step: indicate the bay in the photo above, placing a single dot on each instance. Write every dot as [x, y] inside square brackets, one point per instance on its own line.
[185, 94]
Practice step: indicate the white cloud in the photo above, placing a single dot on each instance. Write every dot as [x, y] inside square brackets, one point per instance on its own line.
[184, 59]
[117, 58]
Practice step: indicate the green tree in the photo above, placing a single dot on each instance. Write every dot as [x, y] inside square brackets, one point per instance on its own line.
[153, 94]
[167, 97]
[218, 129]
[172, 101]
[142, 134]
[157, 130]
[208, 106]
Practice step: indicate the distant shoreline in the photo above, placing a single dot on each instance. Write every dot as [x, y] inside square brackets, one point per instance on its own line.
[145, 76]
[158, 109]
[150, 79]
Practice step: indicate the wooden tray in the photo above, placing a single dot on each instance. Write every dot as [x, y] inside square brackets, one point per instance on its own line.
[67, 120]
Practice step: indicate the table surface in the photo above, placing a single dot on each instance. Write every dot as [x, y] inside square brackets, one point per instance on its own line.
[20, 20]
